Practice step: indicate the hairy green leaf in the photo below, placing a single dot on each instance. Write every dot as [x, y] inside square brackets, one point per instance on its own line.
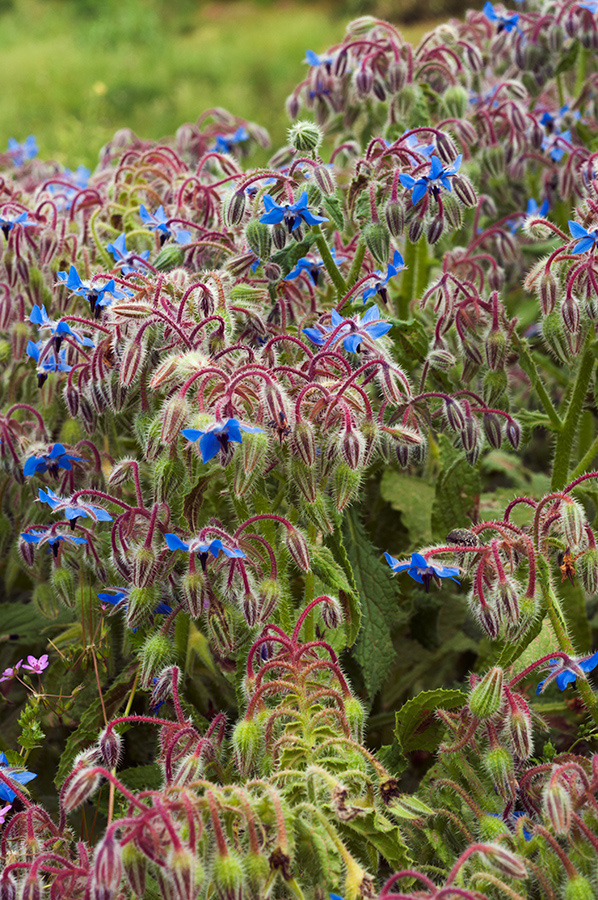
[417, 727]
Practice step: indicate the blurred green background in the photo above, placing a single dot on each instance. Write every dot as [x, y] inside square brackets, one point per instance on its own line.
[74, 71]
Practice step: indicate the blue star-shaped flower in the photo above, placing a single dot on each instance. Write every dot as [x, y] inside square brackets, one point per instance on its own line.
[505, 22]
[58, 327]
[120, 597]
[565, 674]
[351, 331]
[439, 177]
[585, 239]
[312, 267]
[122, 256]
[20, 153]
[291, 214]
[218, 436]
[201, 549]
[56, 362]
[73, 510]
[52, 539]
[80, 177]
[413, 143]
[225, 143]
[158, 222]
[553, 146]
[21, 777]
[98, 295]
[50, 462]
[8, 222]
[421, 570]
[394, 267]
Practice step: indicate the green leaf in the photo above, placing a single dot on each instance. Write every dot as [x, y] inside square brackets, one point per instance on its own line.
[533, 418]
[417, 727]
[380, 604]
[413, 498]
[289, 256]
[411, 339]
[339, 581]
[334, 208]
[513, 649]
[457, 495]
[26, 621]
[568, 60]
[384, 835]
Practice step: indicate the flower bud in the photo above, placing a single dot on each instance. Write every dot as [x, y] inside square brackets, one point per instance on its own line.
[190, 769]
[279, 236]
[492, 429]
[134, 864]
[377, 240]
[491, 828]
[107, 867]
[8, 888]
[486, 698]
[110, 747]
[579, 888]
[259, 239]
[513, 433]
[587, 571]
[297, 547]
[454, 414]
[269, 598]
[498, 762]
[416, 227]
[346, 484]
[495, 348]
[456, 101]
[228, 876]
[355, 714]
[453, 212]
[305, 136]
[182, 867]
[194, 589]
[170, 257]
[503, 860]
[557, 806]
[519, 728]
[235, 208]
[303, 443]
[494, 386]
[81, 786]
[396, 75]
[174, 415]
[324, 179]
[144, 563]
[33, 888]
[394, 215]
[131, 362]
[248, 741]
[352, 447]
[435, 229]
[442, 361]
[470, 434]
[573, 522]
[304, 477]
[154, 655]
[332, 613]
[364, 81]
[257, 870]
[64, 584]
[464, 190]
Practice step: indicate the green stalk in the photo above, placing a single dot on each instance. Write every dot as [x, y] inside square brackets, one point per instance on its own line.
[310, 589]
[529, 367]
[564, 443]
[421, 268]
[105, 256]
[409, 277]
[356, 264]
[559, 625]
[331, 266]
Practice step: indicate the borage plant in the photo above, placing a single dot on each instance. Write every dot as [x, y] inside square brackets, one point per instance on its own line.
[236, 403]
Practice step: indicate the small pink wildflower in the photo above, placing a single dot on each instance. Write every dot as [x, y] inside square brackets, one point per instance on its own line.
[37, 665]
[10, 673]
[4, 811]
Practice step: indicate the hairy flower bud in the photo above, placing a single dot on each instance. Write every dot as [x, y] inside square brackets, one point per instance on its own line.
[377, 240]
[346, 484]
[557, 806]
[352, 447]
[235, 208]
[498, 762]
[154, 655]
[228, 876]
[304, 477]
[495, 347]
[355, 714]
[587, 571]
[518, 728]
[513, 433]
[305, 136]
[435, 229]
[486, 698]
[579, 888]
[8, 888]
[107, 867]
[503, 860]
[144, 564]
[456, 101]
[83, 783]
[174, 415]
[110, 743]
[297, 547]
[494, 386]
[394, 215]
[464, 190]
[248, 740]
[454, 414]
[573, 522]
[492, 429]
[131, 362]
[259, 238]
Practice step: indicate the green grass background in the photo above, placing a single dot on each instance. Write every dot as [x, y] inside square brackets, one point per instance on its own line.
[74, 71]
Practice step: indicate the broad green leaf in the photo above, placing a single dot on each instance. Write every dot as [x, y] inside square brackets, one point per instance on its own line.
[333, 206]
[457, 495]
[384, 835]
[380, 600]
[417, 727]
[568, 60]
[339, 582]
[26, 621]
[413, 498]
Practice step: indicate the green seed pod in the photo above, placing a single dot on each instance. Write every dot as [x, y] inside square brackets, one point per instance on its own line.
[346, 482]
[491, 828]
[579, 888]
[142, 602]
[355, 714]
[248, 739]
[259, 239]
[377, 240]
[305, 136]
[170, 257]
[494, 386]
[154, 656]
[228, 876]
[456, 101]
[258, 871]
[486, 699]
